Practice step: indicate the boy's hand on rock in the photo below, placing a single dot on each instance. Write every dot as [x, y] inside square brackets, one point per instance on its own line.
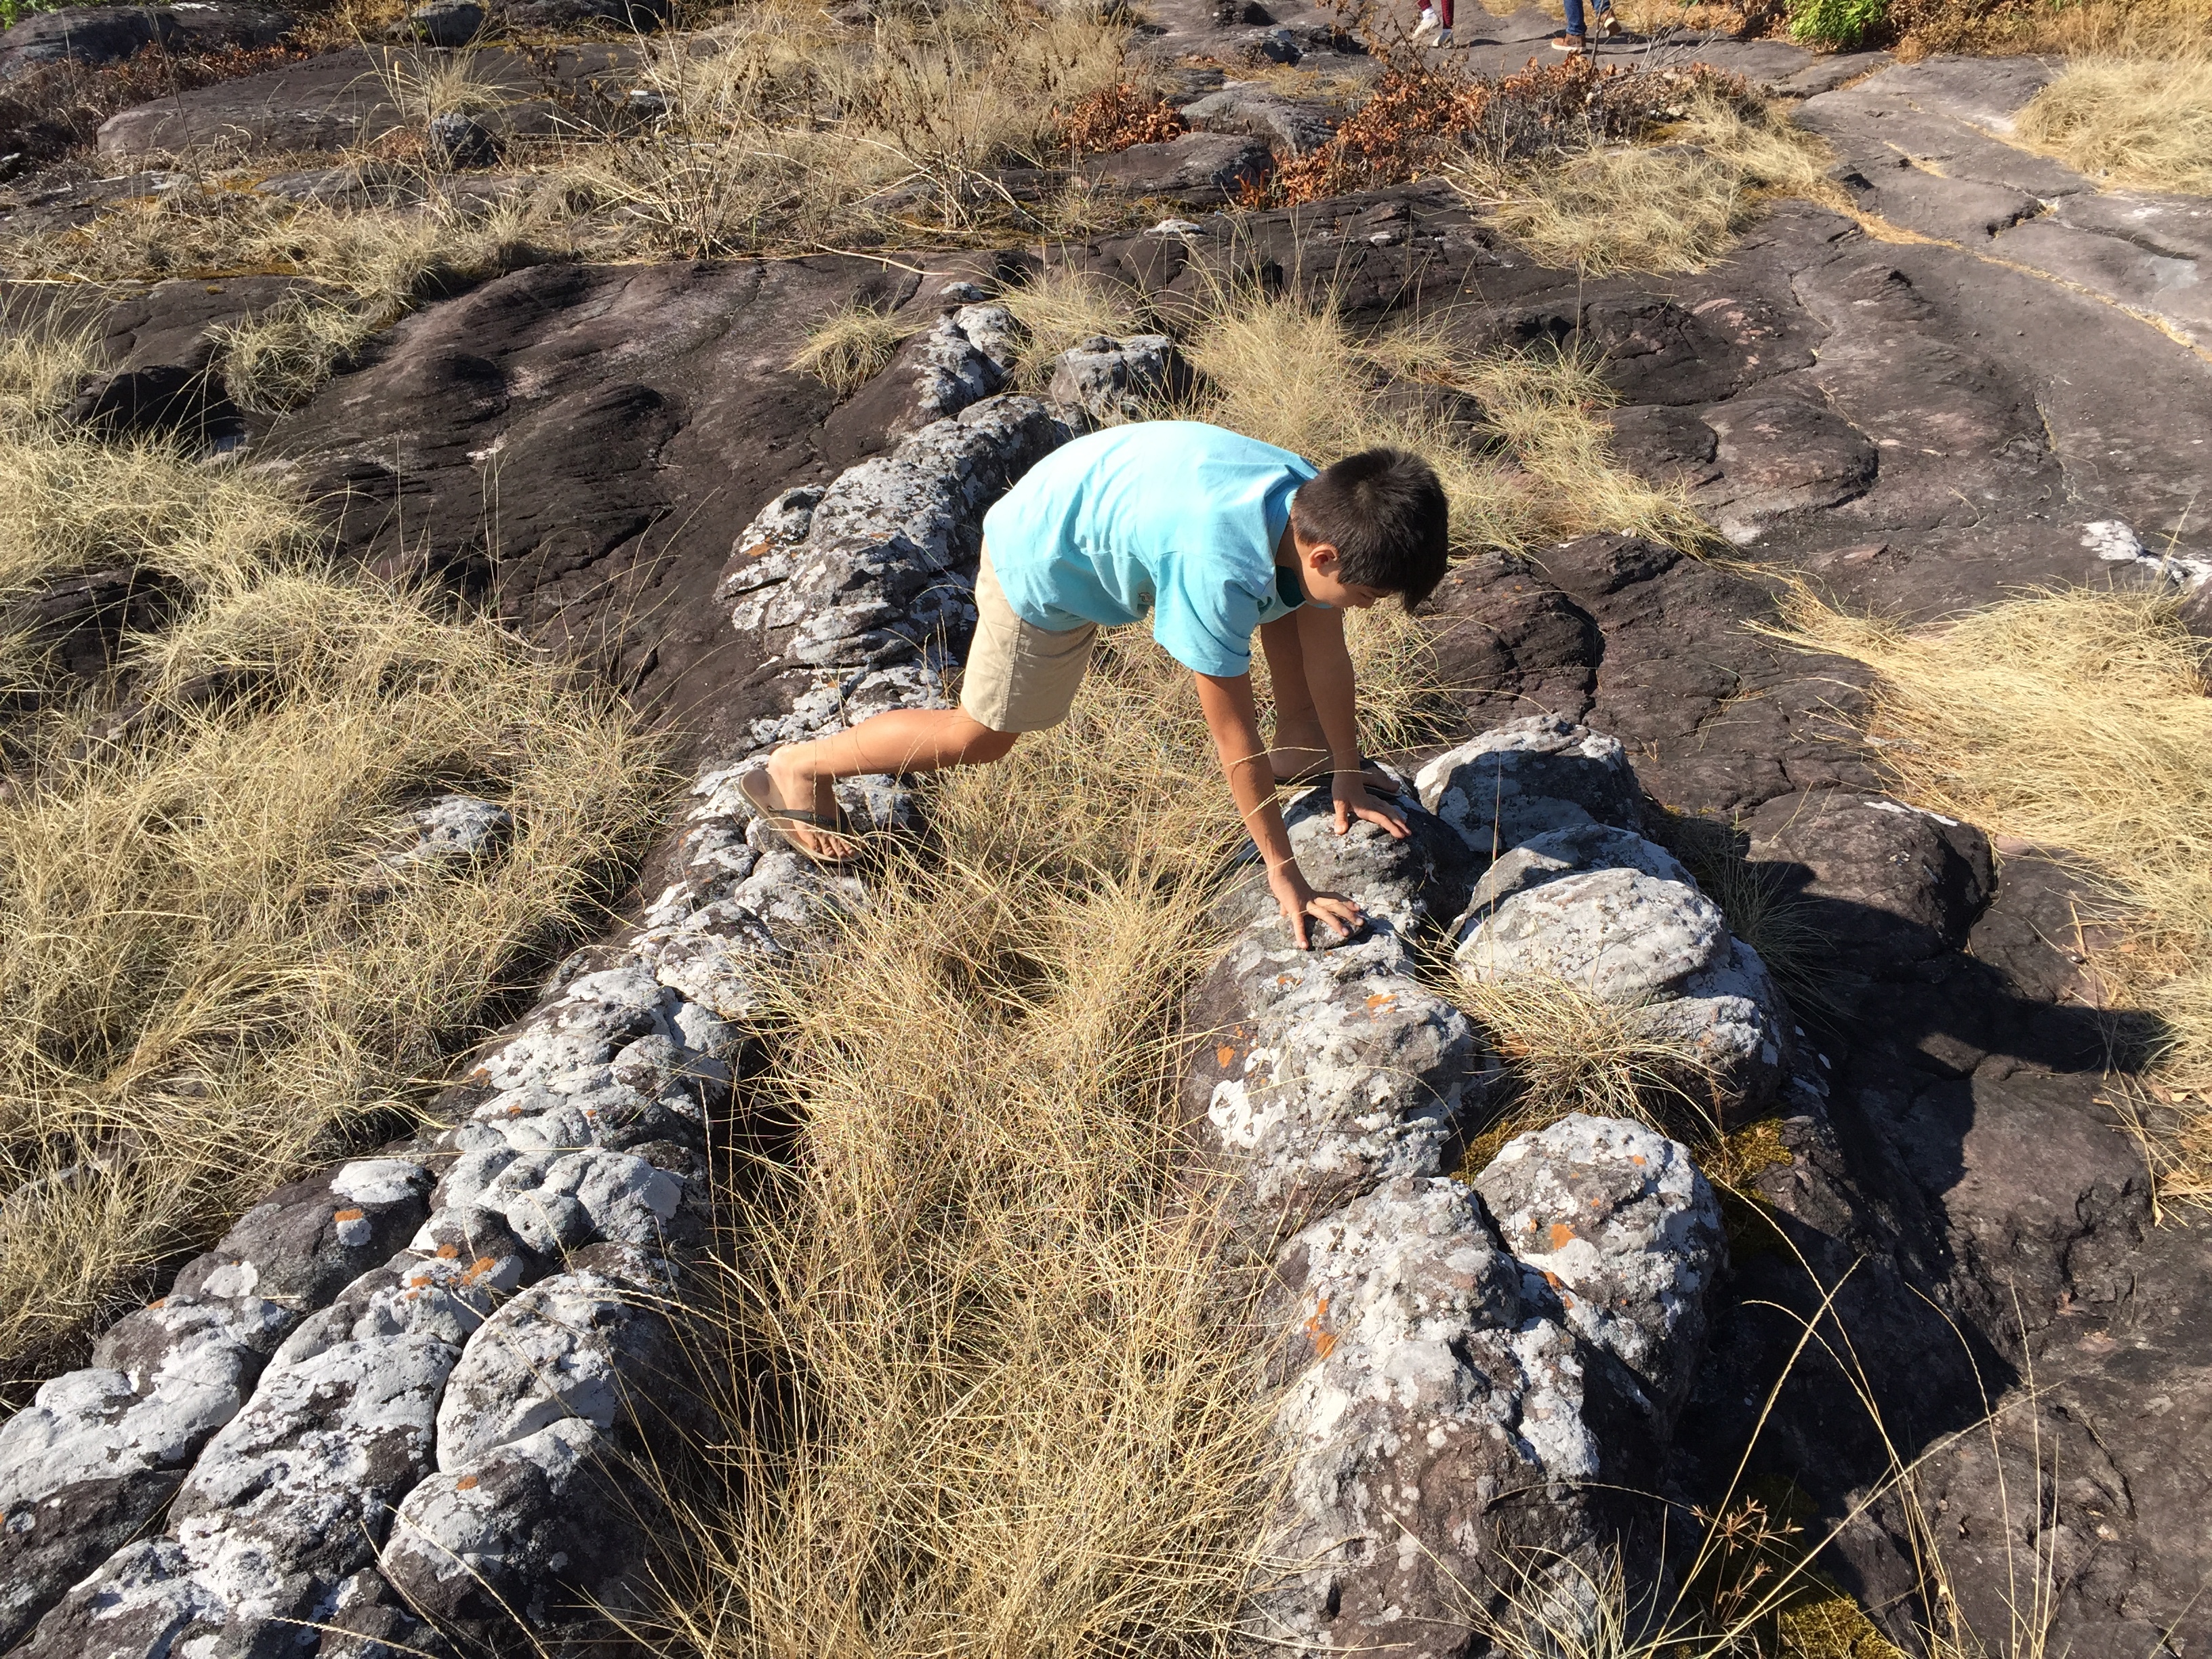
[1353, 802]
[1299, 902]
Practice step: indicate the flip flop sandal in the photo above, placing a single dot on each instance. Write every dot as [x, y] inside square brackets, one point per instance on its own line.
[780, 821]
[1377, 782]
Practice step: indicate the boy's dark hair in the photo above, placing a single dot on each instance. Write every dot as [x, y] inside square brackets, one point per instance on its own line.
[1384, 512]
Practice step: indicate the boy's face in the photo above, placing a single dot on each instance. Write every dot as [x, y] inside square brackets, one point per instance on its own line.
[1317, 562]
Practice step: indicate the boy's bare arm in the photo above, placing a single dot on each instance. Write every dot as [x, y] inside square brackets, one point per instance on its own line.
[1234, 720]
[1329, 679]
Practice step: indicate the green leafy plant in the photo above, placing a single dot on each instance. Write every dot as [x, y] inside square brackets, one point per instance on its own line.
[1836, 22]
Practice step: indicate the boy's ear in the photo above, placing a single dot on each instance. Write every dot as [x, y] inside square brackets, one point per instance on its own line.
[1320, 554]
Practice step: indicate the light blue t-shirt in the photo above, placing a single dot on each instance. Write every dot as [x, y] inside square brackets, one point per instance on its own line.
[1172, 517]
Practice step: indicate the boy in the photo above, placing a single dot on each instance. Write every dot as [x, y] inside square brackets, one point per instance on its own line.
[1218, 535]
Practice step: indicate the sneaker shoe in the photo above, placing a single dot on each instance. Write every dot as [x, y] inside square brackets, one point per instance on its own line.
[1564, 42]
[1426, 26]
[1443, 37]
[1609, 26]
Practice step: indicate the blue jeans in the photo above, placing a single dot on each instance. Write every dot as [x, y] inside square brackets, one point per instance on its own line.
[1575, 23]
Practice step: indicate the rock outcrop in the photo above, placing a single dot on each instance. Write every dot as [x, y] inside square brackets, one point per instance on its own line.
[1475, 1376]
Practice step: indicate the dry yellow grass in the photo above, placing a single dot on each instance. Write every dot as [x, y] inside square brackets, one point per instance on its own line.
[1291, 369]
[362, 269]
[2081, 27]
[2081, 722]
[206, 979]
[799, 133]
[1060, 308]
[2144, 120]
[1677, 206]
[1015, 1409]
[1565, 1051]
[848, 348]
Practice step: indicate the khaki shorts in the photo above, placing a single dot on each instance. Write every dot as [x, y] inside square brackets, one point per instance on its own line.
[1019, 678]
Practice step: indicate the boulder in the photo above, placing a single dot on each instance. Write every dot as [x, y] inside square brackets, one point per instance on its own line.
[579, 1346]
[1289, 125]
[452, 830]
[1105, 380]
[1319, 1074]
[1617, 935]
[1530, 777]
[1326, 1073]
[543, 1530]
[1446, 1434]
[1201, 168]
[1885, 885]
[1616, 1219]
[460, 143]
[294, 1494]
[1560, 853]
[305, 1242]
[97, 1452]
[1657, 949]
[137, 1606]
[641, 15]
[442, 23]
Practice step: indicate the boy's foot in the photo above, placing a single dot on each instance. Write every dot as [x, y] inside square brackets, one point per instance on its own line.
[1426, 26]
[1608, 25]
[801, 812]
[1565, 42]
[1443, 37]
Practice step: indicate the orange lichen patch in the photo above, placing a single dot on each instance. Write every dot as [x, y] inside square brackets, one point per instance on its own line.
[447, 1252]
[482, 1268]
[1381, 999]
[158, 1301]
[1324, 1341]
[348, 1215]
[417, 1281]
[1551, 1279]
[466, 1483]
[1636, 1157]
[1224, 1056]
[1562, 1235]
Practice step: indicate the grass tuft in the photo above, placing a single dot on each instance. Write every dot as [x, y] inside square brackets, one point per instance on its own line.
[208, 983]
[2144, 120]
[850, 347]
[1676, 208]
[1565, 1051]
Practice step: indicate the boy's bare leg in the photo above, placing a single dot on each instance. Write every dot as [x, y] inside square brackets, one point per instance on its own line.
[1297, 744]
[898, 740]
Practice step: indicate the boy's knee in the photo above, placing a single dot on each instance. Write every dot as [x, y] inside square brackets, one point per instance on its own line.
[983, 745]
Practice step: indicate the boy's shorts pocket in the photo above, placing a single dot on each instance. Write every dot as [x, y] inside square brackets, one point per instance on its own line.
[1019, 678]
